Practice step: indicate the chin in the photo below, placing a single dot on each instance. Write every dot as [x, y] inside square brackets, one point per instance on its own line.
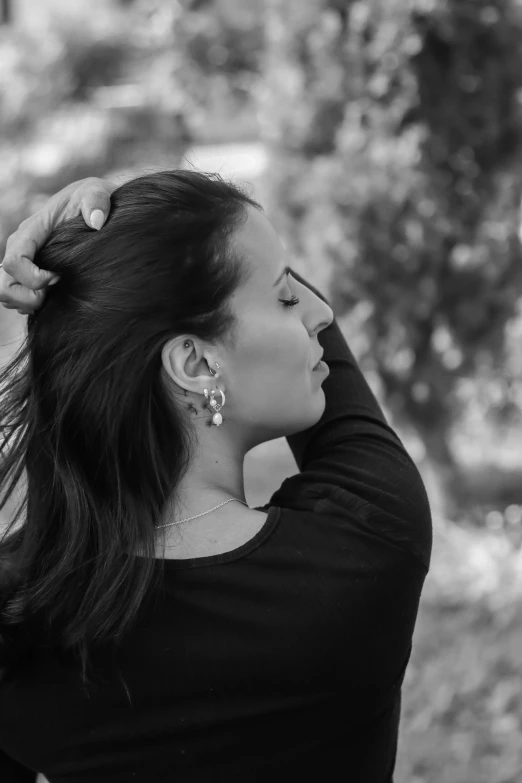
[316, 410]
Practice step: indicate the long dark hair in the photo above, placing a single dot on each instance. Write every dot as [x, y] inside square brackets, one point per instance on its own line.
[87, 422]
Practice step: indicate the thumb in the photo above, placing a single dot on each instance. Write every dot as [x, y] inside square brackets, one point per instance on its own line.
[95, 207]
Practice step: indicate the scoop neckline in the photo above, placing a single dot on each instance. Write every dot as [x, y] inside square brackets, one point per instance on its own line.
[173, 564]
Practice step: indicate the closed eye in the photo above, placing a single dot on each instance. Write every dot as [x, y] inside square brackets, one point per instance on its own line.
[290, 302]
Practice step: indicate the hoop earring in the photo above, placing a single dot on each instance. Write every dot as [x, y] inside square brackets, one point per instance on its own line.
[217, 418]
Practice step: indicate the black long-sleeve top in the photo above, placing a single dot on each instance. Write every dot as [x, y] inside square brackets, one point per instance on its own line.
[280, 660]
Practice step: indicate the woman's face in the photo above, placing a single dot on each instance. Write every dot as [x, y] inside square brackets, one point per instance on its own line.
[270, 386]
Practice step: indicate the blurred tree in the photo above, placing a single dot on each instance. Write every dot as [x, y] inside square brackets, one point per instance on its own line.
[74, 102]
[218, 47]
[119, 90]
[5, 11]
[395, 130]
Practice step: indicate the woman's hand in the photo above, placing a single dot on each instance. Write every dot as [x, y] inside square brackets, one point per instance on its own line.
[22, 284]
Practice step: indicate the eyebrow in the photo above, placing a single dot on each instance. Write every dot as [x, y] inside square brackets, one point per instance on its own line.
[286, 271]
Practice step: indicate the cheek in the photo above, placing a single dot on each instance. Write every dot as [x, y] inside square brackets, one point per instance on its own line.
[297, 348]
[279, 394]
[275, 342]
[274, 361]
[274, 350]
[288, 352]
[286, 366]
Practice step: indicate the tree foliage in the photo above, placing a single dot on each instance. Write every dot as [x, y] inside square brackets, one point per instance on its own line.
[396, 131]
[395, 174]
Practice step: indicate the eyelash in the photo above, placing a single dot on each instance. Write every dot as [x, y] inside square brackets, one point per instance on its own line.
[290, 302]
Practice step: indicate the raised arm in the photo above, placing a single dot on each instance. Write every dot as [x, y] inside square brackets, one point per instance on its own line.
[22, 284]
[352, 458]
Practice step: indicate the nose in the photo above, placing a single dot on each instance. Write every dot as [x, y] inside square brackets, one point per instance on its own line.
[317, 312]
[325, 315]
[326, 322]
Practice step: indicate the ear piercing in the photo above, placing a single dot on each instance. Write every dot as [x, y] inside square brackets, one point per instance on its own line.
[217, 418]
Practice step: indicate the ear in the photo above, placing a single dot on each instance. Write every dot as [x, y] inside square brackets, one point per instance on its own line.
[186, 366]
[174, 357]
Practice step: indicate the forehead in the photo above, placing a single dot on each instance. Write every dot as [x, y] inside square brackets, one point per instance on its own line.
[258, 243]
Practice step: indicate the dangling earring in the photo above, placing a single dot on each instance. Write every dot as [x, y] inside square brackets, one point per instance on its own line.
[217, 418]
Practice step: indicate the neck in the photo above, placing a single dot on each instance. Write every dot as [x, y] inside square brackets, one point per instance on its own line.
[214, 476]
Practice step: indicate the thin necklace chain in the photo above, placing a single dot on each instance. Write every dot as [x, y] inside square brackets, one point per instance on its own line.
[203, 514]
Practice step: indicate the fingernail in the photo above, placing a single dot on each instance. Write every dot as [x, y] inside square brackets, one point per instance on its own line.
[53, 281]
[97, 219]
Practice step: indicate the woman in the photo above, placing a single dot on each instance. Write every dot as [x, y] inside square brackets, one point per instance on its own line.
[153, 626]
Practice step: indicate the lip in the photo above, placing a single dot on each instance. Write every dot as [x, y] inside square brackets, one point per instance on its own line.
[323, 367]
[318, 360]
